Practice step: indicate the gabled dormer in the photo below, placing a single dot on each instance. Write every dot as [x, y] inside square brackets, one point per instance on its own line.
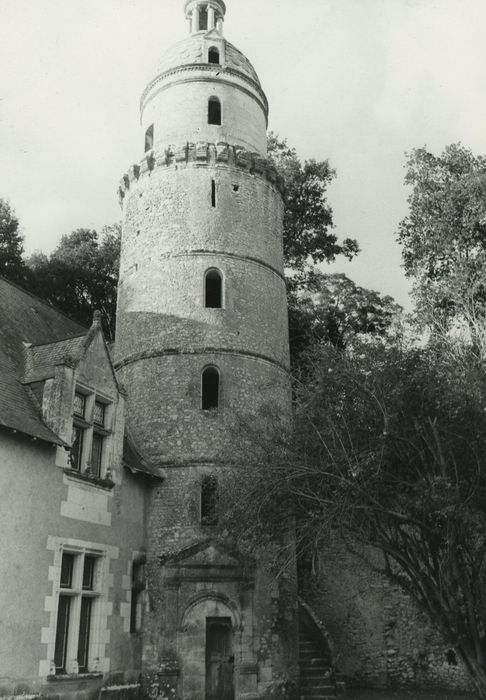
[81, 402]
[213, 48]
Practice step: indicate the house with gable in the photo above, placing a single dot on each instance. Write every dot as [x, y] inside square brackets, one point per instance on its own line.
[74, 491]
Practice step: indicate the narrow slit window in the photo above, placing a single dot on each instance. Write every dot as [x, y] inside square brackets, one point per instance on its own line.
[209, 501]
[210, 389]
[149, 138]
[213, 193]
[214, 111]
[138, 587]
[213, 55]
[213, 293]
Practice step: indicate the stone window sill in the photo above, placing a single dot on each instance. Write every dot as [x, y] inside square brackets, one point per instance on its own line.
[106, 484]
[74, 677]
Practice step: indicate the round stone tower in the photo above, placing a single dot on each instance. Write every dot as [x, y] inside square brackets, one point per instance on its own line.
[202, 331]
[201, 277]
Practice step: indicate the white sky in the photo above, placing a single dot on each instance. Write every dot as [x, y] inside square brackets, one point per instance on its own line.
[356, 81]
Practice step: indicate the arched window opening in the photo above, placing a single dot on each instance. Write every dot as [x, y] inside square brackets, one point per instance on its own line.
[149, 138]
[213, 292]
[214, 111]
[203, 18]
[210, 389]
[209, 501]
[213, 55]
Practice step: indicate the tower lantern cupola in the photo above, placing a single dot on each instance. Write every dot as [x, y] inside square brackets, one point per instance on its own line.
[205, 15]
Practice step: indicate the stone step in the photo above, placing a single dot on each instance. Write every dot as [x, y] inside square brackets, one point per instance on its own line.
[326, 681]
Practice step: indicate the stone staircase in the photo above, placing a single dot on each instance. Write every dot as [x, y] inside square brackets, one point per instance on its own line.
[318, 680]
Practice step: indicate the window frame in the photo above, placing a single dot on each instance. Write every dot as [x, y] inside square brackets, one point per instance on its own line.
[217, 371]
[208, 511]
[214, 99]
[91, 432]
[222, 291]
[76, 633]
[149, 138]
[138, 587]
[214, 50]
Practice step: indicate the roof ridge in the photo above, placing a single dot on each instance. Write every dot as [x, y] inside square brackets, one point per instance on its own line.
[61, 340]
[44, 302]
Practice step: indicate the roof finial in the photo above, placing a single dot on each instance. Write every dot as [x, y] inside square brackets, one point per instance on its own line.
[205, 15]
[96, 316]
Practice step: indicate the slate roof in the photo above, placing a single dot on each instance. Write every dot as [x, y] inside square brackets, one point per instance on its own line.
[134, 462]
[34, 338]
[26, 319]
[41, 360]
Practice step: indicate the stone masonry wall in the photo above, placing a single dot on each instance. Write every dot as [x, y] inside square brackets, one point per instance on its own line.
[380, 636]
[181, 111]
[165, 413]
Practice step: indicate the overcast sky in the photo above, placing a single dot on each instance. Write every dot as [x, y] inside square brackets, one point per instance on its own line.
[356, 81]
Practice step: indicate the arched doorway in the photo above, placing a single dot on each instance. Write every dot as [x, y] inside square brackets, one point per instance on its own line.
[209, 647]
[220, 659]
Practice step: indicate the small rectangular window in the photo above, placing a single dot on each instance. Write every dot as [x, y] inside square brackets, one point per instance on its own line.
[213, 193]
[67, 564]
[79, 405]
[214, 111]
[62, 633]
[210, 389]
[84, 633]
[149, 138]
[99, 414]
[77, 448]
[138, 586]
[97, 454]
[88, 573]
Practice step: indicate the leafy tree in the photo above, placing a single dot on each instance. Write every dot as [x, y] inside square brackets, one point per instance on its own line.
[335, 310]
[444, 235]
[389, 449]
[308, 221]
[81, 275]
[12, 265]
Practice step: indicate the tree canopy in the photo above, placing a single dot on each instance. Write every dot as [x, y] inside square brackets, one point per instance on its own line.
[12, 265]
[389, 449]
[81, 275]
[308, 223]
[333, 309]
[443, 236]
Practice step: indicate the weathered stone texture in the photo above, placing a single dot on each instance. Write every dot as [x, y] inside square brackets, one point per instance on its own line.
[165, 411]
[380, 636]
[181, 112]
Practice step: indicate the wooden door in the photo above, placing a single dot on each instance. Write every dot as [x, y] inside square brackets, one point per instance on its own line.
[220, 660]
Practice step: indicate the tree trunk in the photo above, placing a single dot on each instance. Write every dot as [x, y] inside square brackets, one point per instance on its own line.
[476, 672]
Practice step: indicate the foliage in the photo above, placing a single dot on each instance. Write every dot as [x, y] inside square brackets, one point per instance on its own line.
[389, 448]
[81, 275]
[308, 217]
[444, 235]
[334, 310]
[12, 265]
